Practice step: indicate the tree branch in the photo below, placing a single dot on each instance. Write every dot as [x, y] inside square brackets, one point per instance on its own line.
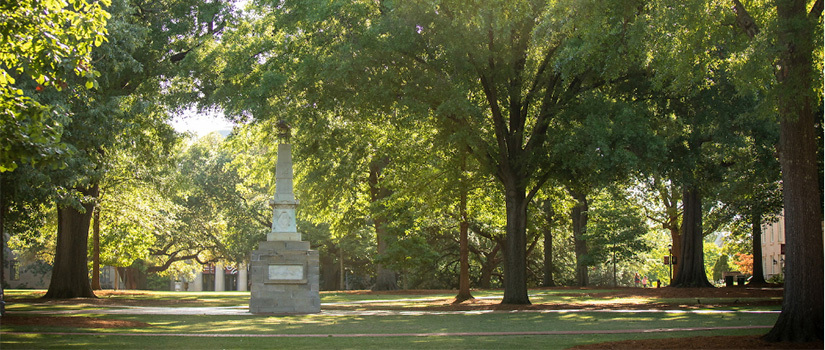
[533, 244]
[539, 81]
[816, 10]
[495, 109]
[539, 184]
[477, 229]
[744, 19]
[172, 258]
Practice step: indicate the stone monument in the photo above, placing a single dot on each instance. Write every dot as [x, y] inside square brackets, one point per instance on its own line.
[284, 271]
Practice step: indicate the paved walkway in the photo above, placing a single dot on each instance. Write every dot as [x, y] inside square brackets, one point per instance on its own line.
[243, 310]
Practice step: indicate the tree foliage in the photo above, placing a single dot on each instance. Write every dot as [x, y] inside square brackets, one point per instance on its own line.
[618, 227]
[46, 44]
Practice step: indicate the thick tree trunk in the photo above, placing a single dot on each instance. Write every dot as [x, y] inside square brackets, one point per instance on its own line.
[96, 250]
[70, 274]
[802, 306]
[329, 272]
[691, 267]
[515, 247]
[756, 236]
[579, 219]
[133, 277]
[548, 268]
[464, 251]
[2, 247]
[385, 279]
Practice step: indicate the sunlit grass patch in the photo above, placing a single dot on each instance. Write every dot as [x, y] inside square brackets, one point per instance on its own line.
[626, 300]
[30, 299]
[423, 342]
[23, 293]
[716, 300]
[48, 307]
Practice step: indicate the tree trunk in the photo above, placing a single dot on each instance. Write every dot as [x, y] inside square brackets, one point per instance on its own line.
[2, 247]
[341, 272]
[133, 277]
[802, 306]
[385, 278]
[547, 268]
[96, 249]
[671, 203]
[121, 280]
[676, 251]
[691, 267]
[613, 259]
[485, 281]
[756, 236]
[329, 272]
[515, 247]
[579, 219]
[464, 251]
[70, 274]
[488, 266]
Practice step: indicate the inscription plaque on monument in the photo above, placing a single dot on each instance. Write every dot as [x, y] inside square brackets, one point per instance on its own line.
[286, 272]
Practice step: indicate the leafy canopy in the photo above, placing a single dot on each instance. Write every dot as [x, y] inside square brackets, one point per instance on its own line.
[43, 43]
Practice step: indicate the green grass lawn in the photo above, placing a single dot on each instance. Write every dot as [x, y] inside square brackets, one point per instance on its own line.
[336, 331]
[432, 342]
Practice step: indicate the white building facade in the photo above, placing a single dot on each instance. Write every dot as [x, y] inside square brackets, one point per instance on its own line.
[773, 247]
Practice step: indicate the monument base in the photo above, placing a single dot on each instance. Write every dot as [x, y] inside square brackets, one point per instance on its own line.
[285, 278]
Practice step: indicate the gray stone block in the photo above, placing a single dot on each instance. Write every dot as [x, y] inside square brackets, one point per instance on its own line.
[297, 245]
[284, 297]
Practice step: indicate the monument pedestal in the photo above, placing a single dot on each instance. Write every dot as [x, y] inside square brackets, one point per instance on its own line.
[285, 277]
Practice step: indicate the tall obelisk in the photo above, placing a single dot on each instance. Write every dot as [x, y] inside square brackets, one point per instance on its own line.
[283, 203]
[284, 272]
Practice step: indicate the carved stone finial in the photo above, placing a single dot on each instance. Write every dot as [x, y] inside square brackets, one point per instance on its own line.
[284, 130]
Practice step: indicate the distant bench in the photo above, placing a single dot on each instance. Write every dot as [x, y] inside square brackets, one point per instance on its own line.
[730, 276]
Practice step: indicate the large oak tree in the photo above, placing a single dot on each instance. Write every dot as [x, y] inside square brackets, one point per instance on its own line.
[141, 50]
[494, 75]
[800, 108]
